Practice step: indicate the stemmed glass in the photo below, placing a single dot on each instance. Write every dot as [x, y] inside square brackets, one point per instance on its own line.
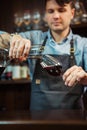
[36, 19]
[27, 20]
[18, 21]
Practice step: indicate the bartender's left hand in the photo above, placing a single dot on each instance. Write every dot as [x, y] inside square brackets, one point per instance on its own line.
[75, 75]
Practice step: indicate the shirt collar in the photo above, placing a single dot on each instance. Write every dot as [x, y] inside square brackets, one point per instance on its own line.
[68, 38]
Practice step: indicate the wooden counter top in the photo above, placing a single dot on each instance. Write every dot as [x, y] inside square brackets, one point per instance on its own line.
[54, 119]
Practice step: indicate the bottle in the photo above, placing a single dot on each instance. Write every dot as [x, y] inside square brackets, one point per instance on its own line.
[9, 72]
[24, 70]
[16, 70]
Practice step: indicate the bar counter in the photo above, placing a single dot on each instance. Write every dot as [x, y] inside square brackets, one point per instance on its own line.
[39, 120]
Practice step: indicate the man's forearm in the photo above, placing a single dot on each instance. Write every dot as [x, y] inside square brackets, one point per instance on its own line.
[5, 40]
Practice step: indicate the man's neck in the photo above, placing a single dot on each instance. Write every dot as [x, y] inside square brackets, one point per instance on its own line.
[60, 35]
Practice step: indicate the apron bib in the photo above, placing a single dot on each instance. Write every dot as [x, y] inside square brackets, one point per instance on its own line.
[50, 92]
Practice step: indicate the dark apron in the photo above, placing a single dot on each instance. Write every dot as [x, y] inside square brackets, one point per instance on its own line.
[50, 92]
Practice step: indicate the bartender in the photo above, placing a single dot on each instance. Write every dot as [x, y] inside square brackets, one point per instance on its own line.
[63, 91]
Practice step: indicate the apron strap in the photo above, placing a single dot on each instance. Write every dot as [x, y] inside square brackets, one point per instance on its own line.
[72, 57]
[43, 45]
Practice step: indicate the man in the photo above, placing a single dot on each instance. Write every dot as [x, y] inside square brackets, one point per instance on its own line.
[47, 91]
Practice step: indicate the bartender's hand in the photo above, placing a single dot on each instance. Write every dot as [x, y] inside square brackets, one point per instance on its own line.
[19, 47]
[75, 75]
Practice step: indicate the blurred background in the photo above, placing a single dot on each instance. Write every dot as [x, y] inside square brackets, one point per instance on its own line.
[24, 15]
[17, 13]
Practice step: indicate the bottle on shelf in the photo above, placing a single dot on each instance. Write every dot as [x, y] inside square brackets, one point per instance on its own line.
[16, 69]
[24, 72]
[9, 72]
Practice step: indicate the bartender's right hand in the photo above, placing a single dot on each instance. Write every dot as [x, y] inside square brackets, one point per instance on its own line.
[19, 47]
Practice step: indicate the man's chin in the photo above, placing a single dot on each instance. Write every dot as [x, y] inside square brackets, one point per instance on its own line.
[57, 29]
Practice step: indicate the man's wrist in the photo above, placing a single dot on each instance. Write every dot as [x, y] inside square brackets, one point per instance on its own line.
[14, 36]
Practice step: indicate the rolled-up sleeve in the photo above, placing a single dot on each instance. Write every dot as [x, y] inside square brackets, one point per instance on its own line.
[85, 54]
